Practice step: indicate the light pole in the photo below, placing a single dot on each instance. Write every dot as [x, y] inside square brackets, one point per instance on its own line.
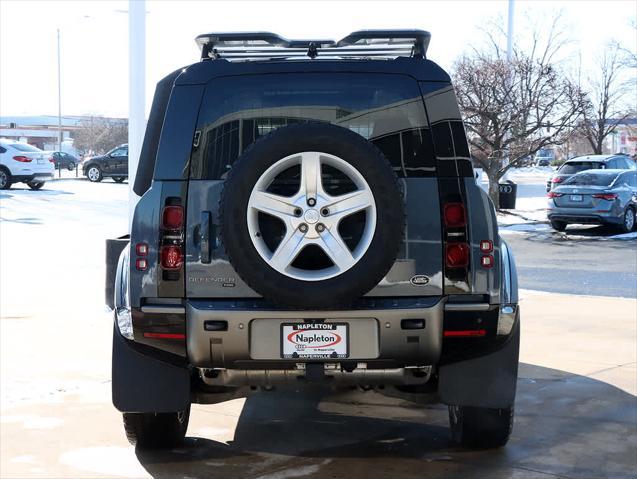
[59, 95]
[136, 92]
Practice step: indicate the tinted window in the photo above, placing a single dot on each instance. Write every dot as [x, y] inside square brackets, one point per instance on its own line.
[592, 179]
[24, 147]
[573, 167]
[385, 109]
[119, 152]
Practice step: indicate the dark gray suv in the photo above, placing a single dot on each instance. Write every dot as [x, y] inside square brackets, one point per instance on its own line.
[309, 214]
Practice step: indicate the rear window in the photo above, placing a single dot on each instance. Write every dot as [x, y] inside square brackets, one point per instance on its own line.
[576, 166]
[24, 147]
[385, 109]
[591, 179]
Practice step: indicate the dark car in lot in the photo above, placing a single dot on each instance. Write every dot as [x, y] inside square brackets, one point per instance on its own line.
[64, 160]
[589, 162]
[595, 197]
[309, 215]
[113, 164]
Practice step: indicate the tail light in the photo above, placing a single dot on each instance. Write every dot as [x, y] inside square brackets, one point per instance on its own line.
[171, 257]
[486, 246]
[51, 160]
[454, 215]
[557, 179]
[605, 196]
[172, 217]
[171, 252]
[22, 159]
[487, 261]
[552, 194]
[457, 255]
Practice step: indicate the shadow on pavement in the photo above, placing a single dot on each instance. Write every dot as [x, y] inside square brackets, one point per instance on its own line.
[566, 425]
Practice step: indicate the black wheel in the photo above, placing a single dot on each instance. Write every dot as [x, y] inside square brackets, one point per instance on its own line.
[118, 179]
[628, 221]
[71, 166]
[480, 428]
[35, 185]
[156, 431]
[558, 225]
[94, 174]
[5, 179]
[312, 216]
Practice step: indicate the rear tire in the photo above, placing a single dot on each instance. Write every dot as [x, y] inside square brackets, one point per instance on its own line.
[71, 166]
[35, 185]
[94, 174]
[5, 179]
[118, 179]
[480, 428]
[156, 430]
[628, 220]
[558, 225]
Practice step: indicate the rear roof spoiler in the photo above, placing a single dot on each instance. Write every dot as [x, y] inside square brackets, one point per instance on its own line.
[254, 46]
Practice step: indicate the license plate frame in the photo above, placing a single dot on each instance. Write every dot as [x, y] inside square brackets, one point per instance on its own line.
[577, 198]
[324, 349]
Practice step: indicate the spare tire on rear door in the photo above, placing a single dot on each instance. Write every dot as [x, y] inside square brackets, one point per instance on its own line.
[312, 216]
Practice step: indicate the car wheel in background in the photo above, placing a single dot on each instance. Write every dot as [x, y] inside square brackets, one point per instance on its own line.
[558, 225]
[35, 185]
[119, 179]
[71, 166]
[5, 179]
[628, 222]
[480, 427]
[94, 174]
[156, 430]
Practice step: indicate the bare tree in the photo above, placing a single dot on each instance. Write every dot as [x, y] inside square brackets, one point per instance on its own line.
[605, 105]
[513, 108]
[98, 134]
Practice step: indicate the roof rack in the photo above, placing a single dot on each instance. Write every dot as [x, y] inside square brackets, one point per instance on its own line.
[254, 46]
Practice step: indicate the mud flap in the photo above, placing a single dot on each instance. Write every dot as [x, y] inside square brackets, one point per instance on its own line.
[487, 381]
[144, 384]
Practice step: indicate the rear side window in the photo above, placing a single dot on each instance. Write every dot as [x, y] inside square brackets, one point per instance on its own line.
[385, 109]
[576, 166]
[24, 147]
[3, 150]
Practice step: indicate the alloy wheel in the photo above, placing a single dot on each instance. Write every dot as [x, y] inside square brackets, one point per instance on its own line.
[311, 216]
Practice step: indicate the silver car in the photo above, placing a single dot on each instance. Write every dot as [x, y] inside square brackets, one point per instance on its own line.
[595, 197]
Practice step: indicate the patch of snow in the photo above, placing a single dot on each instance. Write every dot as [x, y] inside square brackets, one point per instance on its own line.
[25, 459]
[38, 422]
[109, 460]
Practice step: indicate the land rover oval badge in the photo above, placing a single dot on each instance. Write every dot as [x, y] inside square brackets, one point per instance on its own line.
[419, 280]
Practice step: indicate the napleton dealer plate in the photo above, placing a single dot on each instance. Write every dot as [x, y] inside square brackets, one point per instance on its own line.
[314, 341]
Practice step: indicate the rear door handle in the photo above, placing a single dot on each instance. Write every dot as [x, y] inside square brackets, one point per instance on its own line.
[204, 237]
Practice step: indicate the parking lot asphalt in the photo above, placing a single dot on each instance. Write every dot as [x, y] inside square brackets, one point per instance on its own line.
[576, 411]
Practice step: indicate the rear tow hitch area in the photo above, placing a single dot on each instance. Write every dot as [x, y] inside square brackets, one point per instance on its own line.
[345, 374]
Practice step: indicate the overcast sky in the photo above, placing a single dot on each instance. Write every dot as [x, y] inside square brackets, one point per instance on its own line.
[94, 36]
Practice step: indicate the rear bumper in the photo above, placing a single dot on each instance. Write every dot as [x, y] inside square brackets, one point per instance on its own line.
[592, 218]
[252, 339]
[33, 177]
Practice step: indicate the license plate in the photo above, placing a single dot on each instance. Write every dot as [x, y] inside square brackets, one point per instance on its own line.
[576, 197]
[40, 161]
[314, 341]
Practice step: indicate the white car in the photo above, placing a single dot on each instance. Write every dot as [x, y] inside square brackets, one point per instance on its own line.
[23, 163]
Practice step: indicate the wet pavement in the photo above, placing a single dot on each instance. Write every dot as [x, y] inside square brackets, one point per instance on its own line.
[565, 426]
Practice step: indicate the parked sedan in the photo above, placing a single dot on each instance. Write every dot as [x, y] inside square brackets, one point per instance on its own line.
[113, 164]
[595, 197]
[589, 162]
[64, 160]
